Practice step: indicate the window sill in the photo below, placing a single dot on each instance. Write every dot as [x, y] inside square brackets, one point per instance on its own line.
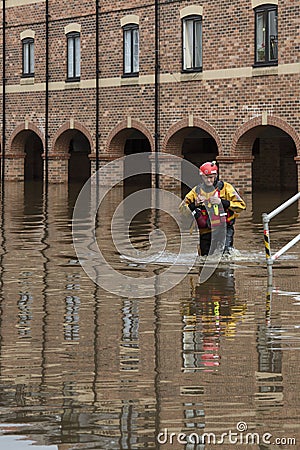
[27, 80]
[259, 70]
[191, 76]
[72, 84]
[129, 80]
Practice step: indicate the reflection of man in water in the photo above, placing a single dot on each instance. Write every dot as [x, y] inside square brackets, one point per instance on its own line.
[212, 203]
[212, 312]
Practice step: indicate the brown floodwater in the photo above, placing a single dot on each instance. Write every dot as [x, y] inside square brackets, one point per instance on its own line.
[83, 368]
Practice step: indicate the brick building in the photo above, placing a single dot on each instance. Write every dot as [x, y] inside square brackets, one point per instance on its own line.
[90, 81]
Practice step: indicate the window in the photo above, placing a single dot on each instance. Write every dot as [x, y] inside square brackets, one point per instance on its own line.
[28, 57]
[192, 43]
[73, 42]
[131, 50]
[266, 35]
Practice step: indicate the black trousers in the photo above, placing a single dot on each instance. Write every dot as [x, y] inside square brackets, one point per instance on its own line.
[205, 241]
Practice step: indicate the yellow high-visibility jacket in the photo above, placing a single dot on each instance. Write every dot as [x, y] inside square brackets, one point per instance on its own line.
[232, 202]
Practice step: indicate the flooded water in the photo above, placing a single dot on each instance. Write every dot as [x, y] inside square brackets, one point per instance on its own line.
[81, 368]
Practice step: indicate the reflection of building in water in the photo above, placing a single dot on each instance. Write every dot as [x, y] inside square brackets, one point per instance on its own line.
[194, 395]
[269, 373]
[125, 403]
[71, 330]
[128, 425]
[212, 312]
[124, 379]
[72, 306]
[25, 315]
[22, 284]
[38, 355]
[194, 415]
[129, 347]
[100, 371]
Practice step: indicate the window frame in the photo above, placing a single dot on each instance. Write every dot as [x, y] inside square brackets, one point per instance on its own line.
[131, 27]
[73, 36]
[266, 9]
[28, 43]
[195, 18]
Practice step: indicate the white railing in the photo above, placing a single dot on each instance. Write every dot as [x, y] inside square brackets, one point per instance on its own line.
[266, 219]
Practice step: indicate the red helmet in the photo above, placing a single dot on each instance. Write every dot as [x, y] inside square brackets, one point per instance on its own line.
[208, 168]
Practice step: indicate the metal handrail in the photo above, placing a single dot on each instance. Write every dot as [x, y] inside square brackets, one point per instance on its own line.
[266, 219]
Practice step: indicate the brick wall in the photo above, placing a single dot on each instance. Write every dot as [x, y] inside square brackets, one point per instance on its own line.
[225, 105]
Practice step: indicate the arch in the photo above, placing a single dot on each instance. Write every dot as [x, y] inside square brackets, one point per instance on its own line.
[174, 145]
[61, 139]
[279, 123]
[261, 140]
[117, 137]
[73, 143]
[26, 148]
[73, 28]
[256, 3]
[130, 18]
[193, 140]
[191, 11]
[16, 141]
[244, 137]
[27, 34]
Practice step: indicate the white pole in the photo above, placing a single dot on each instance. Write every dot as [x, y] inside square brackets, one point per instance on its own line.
[286, 247]
[283, 206]
[266, 219]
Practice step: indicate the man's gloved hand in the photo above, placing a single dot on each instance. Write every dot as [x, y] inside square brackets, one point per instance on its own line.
[195, 211]
[215, 200]
[200, 200]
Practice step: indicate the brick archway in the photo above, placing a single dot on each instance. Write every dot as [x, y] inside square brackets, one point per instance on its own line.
[20, 148]
[118, 136]
[62, 137]
[16, 143]
[176, 134]
[245, 136]
[247, 164]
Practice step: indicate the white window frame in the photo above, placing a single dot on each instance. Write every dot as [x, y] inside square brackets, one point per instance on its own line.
[73, 56]
[28, 57]
[192, 43]
[131, 50]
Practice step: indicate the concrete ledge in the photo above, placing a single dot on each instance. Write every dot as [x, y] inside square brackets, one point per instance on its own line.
[263, 71]
[26, 81]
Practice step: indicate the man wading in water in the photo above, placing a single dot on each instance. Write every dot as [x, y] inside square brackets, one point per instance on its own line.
[212, 203]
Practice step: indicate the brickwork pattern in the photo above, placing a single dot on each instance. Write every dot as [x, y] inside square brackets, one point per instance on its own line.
[231, 110]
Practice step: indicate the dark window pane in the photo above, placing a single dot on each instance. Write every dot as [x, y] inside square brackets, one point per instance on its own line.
[266, 38]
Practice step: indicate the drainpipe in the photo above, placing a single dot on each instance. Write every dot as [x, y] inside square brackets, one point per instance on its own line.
[97, 85]
[157, 321]
[46, 91]
[156, 87]
[3, 91]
